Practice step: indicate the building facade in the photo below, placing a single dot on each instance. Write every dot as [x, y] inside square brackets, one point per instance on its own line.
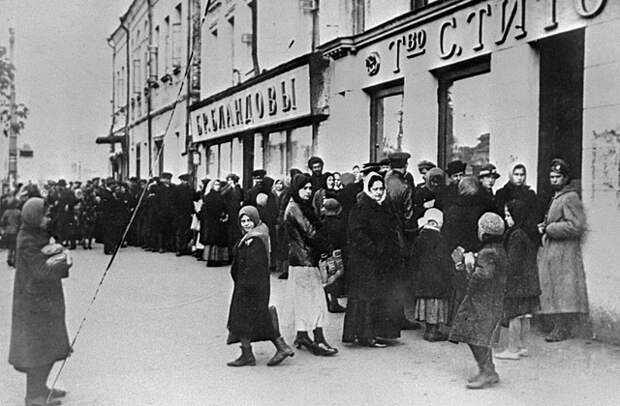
[151, 49]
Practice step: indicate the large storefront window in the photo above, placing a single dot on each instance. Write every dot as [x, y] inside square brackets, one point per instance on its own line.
[213, 161]
[225, 158]
[259, 161]
[300, 147]
[387, 122]
[464, 102]
[275, 155]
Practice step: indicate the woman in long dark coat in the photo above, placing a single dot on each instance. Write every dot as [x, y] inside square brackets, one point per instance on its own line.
[249, 319]
[282, 196]
[213, 231]
[38, 331]
[480, 312]
[374, 254]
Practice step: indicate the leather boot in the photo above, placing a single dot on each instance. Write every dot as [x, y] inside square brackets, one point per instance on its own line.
[283, 350]
[246, 358]
[322, 348]
[487, 375]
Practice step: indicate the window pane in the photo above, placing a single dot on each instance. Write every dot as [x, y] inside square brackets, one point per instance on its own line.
[467, 129]
[276, 155]
[389, 124]
[258, 151]
[301, 147]
[213, 161]
[225, 151]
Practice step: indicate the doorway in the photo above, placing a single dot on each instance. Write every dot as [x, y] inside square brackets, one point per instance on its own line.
[560, 128]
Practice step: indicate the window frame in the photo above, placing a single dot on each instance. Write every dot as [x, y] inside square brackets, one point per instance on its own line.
[377, 94]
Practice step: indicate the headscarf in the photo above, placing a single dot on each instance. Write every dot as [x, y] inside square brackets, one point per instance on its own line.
[324, 178]
[369, 180]
[33, 212]
[469, 186]
[298, 182]
[260, 230]
[435, 172]
[267, 185]
[518, 166]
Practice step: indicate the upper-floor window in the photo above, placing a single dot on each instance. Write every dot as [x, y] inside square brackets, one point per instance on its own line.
[177, 38]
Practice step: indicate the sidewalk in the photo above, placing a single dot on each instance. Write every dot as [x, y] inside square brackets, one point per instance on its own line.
[156, 336]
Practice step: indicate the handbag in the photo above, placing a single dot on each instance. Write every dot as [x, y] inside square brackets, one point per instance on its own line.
[331, 267]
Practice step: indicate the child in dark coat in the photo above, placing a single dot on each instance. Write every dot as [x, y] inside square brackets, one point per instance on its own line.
[481, 310]
[522, 285]
[433, 269]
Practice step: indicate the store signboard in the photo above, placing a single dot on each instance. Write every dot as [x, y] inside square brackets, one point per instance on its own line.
[275, 100]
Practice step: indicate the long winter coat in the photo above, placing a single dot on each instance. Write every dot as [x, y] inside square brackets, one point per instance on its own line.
[213, 230]
[38, 331]
[305, 244]
[374, 250]
[522, 268]
[481, 311]
[560, 264]
[281, 247]
[432, 264]
[249, 315]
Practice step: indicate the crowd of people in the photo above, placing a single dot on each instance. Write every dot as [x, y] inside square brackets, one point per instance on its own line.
[448, 254]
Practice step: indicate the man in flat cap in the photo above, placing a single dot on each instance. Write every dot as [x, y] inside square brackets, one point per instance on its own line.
[400, 198]
[258, 175]
[423, 167]
[560, 264]
[316, 164]
[165, 213]
[455, 171]
[488, 175]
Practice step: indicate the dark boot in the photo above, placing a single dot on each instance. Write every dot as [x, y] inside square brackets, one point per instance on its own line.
[283, 350]
[434, 334]
[487, 375]
[303, 340]
[246, 358]
[323, 348]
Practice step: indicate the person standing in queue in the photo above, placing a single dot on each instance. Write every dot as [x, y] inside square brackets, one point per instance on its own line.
[38, 331]
[250, 319]
[304, 288]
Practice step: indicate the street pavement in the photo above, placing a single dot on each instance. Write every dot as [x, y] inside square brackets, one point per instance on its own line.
[156, 336]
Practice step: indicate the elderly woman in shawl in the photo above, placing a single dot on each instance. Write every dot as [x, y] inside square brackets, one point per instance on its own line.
[250, 318]
[38, 331]
[213, 232]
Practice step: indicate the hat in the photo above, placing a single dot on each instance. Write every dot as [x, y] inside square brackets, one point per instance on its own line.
[33, 211]
[166, 175]
[233, 177]
[259, 173]
[560, 166]
[133, 179]
[431, 214]
[488, 170]
[251, 212]
[370, 167]
[332, 207]
[109, 180]
[314, 160]
[185, 177]
[385, 162]
[426, 165]
[491, 224]
[62, 182]
[398, 159]
[455, 167]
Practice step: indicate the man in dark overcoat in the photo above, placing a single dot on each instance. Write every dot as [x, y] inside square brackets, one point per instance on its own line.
[184, 198]
[165, 213]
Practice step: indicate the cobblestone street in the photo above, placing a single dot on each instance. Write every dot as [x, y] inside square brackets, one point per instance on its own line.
[156, 336]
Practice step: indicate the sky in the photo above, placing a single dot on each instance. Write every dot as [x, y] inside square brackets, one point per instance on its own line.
[64, 76]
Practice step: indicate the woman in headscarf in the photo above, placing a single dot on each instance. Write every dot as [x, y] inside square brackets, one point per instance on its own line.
[249, 319]
[326, 191]
[282, 196]
[305, 288]
[374, 253]
[214, 236]
[517, 189]
[38, 331]
[426, 194]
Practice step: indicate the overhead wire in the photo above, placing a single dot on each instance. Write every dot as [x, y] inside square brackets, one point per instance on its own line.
[135, 211]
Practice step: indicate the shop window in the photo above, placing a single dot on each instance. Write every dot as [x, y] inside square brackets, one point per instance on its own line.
[159, 155]
[225, 159]
[275, 155]
[300, 147]
[386, 113]
[464, 108]
[259, 162]
[213, 161]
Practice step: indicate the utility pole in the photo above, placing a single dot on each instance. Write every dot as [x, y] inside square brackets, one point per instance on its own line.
[13, 119]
